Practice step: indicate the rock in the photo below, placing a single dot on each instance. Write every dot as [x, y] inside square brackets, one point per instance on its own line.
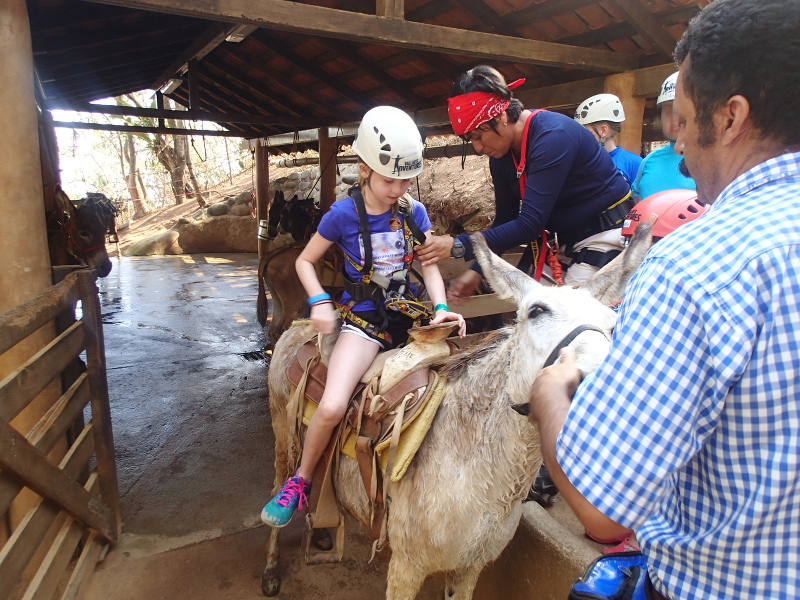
[198, 213]
[227, 233]
[304, 175]
[183, 221]
[241, 210]
[164, 242]
[218, 209]
[293, 177]
[245, 197]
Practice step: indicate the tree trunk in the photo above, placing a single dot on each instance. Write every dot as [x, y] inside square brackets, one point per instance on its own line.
[198, 195]
[130, 175]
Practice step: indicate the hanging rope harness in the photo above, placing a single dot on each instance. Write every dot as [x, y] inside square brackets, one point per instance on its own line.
[393, 292]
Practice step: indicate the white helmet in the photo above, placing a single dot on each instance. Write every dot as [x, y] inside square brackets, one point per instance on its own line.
[602, 107]
[667, 93]
[389, 142]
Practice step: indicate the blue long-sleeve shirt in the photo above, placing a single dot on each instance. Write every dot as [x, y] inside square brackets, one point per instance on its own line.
[571, 180]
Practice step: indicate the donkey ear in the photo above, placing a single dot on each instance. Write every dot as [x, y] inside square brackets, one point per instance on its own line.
[507, 281]
[608, 284]
[64, 203]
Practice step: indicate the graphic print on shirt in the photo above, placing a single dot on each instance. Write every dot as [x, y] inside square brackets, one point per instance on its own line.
[387, 251]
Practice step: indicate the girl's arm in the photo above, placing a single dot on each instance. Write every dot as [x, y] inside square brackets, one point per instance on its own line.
[434, 284]
[323, 315]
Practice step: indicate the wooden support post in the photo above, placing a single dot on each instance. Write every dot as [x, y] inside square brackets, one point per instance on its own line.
[327, 169]
[160, 106]
[194, 88]
[393, 9]
[623, 85]
[262, 192]
[23, 233]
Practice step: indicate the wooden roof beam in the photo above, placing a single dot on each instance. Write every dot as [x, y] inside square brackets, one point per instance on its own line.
[230, 73]
[219, 98]
[199, 115]
[626, 29]
[311, 70]
[349, 52]
[646, 84]
[371, 29]
[647, 25]
[145, 129]
[544, 10]
[212, 37]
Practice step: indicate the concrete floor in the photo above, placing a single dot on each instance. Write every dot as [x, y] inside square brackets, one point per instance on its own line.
[194, 443]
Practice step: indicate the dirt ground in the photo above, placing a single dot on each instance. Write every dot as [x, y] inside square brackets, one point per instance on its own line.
[443, 187]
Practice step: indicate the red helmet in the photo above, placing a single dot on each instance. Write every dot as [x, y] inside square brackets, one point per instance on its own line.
[673, 207]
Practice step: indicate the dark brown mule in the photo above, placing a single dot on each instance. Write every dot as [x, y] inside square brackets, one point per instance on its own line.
[77, 231]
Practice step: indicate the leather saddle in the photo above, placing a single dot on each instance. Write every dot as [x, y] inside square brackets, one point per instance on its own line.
[370, 433]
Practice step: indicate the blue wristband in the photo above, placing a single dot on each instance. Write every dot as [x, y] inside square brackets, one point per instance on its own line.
[318, 297]
[441, 307]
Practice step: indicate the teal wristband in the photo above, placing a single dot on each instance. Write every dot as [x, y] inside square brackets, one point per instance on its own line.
[318, 297]
[441, 307]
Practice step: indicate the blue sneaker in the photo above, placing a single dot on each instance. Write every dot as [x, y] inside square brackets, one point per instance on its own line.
[294, 494]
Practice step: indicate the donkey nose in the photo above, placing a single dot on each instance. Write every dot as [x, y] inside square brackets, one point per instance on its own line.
[522, 409]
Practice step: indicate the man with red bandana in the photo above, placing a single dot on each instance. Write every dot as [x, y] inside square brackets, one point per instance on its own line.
[549, 174]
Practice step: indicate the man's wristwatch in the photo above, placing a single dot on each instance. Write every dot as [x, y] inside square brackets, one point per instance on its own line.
[458, 249]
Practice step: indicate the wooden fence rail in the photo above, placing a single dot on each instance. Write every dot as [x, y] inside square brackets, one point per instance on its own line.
[77, 513]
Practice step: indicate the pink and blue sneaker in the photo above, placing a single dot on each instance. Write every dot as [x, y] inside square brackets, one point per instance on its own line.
[293, 495]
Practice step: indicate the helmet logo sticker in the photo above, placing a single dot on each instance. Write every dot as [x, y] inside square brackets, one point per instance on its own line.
[408, 165]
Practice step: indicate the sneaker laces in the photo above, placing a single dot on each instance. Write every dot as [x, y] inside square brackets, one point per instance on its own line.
[292, 489]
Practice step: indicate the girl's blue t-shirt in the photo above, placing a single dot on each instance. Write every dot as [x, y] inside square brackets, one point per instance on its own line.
[340, 225]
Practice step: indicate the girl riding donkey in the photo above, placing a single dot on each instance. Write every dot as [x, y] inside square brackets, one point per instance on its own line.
[377, 228]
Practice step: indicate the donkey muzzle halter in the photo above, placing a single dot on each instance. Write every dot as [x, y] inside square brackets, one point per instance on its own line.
[524, 408]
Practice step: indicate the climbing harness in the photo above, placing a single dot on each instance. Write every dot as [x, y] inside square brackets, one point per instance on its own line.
[392, 292]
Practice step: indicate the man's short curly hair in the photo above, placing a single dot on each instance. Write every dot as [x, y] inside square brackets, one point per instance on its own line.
[751, 48]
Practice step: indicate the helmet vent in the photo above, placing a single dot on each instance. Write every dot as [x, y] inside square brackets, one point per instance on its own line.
[384, 158]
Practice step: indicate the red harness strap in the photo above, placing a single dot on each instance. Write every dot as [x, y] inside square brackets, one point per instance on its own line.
[547, 250]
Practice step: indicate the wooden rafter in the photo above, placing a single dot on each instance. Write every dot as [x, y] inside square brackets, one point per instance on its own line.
[212, 37]
[647, 25]
[328, 22]
[153, 113]
[349, 52]
[268, 74]
[625, 29]
[307, 67]
[219, 97]
[543, 10]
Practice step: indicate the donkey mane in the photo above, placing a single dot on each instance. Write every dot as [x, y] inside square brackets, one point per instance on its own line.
[456, 364]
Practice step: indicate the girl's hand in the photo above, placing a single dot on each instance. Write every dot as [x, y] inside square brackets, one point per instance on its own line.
[443, 315]
[463, 286]
[324, 317]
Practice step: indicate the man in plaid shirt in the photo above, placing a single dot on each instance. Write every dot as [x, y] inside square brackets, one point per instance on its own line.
[689, 432]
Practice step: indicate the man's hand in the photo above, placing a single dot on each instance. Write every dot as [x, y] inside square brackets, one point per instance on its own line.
[554, 386]
[463, 286]
[435, 248]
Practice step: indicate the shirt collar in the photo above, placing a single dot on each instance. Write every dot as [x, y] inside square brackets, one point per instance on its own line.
[780, 167]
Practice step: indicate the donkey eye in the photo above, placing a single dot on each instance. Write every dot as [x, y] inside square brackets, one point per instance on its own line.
[537, 310]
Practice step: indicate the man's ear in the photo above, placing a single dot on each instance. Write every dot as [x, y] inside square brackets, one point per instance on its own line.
[734, 118]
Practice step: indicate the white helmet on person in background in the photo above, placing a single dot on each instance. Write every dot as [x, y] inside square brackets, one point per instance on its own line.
[602, 107]
[389, 142]
[667, 93]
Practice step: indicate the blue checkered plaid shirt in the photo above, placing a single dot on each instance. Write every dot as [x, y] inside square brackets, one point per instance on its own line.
[689, 432]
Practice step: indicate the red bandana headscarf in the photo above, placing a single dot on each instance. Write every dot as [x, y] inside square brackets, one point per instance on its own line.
[472, 110]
